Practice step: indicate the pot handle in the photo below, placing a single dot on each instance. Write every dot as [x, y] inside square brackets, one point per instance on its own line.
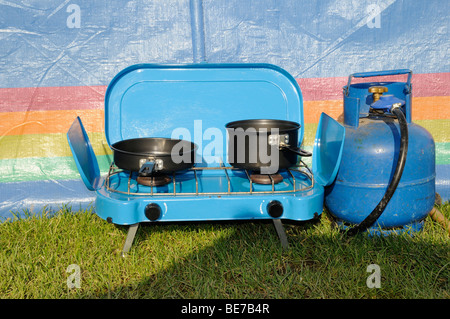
[296, 150]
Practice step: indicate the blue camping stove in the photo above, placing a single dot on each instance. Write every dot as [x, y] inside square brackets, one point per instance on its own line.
[194, 102]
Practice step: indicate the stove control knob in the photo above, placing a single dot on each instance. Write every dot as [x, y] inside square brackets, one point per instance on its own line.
[152, 211]
[275, 209]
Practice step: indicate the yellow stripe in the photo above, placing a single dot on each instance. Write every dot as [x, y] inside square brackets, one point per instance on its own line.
[56, 145]
[45, 122]
[440, 129]
[46, 145]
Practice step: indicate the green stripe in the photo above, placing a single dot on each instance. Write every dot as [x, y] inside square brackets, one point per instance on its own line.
[60, 168]
[46, 145]
[45, 168]
[442, 153]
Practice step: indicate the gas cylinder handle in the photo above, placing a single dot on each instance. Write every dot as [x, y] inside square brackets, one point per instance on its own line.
[380, 73]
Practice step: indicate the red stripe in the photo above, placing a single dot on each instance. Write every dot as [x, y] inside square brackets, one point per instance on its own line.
[92, 97]
[52, 98]
[320, 89]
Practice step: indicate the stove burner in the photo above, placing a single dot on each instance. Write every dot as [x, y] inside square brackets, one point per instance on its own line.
[266, 179]
[156, 180]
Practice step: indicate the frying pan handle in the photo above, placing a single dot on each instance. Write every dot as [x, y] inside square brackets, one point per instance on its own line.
[296, 150]
[148, 167]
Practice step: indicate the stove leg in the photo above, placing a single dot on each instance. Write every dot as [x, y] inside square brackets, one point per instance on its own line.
[129, 240]
[281, 233]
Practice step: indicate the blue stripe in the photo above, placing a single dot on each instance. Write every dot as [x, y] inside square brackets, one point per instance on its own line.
[310, 39]
[52, 195]
[443, 181]
[18, 197]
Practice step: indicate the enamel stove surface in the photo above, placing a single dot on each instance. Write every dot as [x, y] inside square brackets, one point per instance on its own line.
[156, 100]
[213, 193]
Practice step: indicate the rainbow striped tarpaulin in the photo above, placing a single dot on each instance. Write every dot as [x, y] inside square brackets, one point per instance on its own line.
[57, 57]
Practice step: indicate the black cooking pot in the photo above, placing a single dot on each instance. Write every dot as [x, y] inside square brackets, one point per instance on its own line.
[154, 155]
[263, 145]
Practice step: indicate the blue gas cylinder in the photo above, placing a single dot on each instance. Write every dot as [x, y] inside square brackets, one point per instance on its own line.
[369, 158]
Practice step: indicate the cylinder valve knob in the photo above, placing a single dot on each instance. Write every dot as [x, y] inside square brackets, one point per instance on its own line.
[377, 91]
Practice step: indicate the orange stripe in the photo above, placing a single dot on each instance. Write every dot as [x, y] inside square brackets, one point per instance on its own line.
[313, 109]
[44, 122]
[423, 108]
[431, 108]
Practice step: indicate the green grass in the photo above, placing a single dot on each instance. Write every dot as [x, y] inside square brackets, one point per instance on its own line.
[216, 260]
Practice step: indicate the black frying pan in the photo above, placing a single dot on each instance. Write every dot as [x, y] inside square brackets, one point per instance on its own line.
[154, 155]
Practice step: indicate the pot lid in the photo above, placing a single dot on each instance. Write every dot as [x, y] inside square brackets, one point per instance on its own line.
[327, 150]
[195, 101]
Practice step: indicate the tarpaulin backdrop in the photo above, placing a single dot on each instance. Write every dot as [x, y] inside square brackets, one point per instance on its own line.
[57, 57]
